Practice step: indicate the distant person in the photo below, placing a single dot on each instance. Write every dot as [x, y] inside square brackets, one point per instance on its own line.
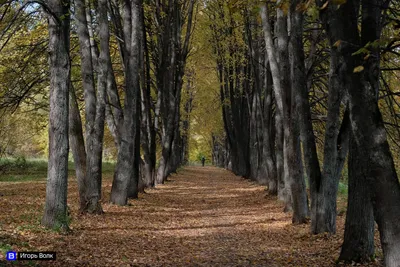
[203, 160]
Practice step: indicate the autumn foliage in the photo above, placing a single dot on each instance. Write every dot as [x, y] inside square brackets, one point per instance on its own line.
[200, 217]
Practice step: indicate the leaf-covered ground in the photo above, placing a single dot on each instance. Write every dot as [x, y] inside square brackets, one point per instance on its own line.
[201, 217]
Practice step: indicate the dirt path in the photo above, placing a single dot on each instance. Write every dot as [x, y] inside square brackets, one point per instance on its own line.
[201, 217]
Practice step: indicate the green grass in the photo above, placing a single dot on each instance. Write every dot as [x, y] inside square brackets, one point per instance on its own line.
[23, 170]
[108, 167]
[343, 189]
[22, 177]
[4, 247]
[21, 165]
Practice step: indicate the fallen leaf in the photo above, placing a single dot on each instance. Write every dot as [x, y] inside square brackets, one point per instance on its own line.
[358, 69]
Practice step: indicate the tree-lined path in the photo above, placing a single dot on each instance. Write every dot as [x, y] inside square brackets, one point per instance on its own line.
[201, 217]
[300, 98]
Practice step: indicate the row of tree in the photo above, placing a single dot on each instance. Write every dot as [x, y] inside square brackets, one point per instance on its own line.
[270, 65]
[136, 94]
[120, 64]
[300, 85]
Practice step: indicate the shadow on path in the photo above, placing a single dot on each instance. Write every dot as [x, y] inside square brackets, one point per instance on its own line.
[204, 217]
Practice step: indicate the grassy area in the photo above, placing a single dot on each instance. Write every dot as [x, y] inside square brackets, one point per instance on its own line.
[343, 189]
[21, 169]
[21, 165]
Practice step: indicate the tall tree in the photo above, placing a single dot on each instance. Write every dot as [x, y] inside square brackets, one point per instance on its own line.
[55, 212]
[324, 182]
[94, 110]
[300, 99]
[148, 134]
[187, 109]
[358, 244]
[279, 98]
[362, 76]
[298, 83]
[268, 157]
[171, 56]
[77, 144]
[291, 185]
[282, 57]
[126, 177]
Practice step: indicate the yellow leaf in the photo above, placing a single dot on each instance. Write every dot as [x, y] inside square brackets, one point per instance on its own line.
[301, 7]
[308, 3]
[284, 6]
[337, 43]
[358, 69]
[325, 5]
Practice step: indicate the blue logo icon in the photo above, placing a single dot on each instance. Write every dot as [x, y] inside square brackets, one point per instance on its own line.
[11, 255]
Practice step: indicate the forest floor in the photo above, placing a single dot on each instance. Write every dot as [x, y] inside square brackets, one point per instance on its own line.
[203, 216]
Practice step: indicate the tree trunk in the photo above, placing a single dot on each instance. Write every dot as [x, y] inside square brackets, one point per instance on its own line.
[279, 99]
[77, 145]
[114, 112]
[93, 119]
[269, 164]
[253, 142]
[186, 120]
[167, 140]
[167, 84]
[148, 133]
[125, 176]
[370, 136]
[330, 179]
[297, 183]
[358, 244]
[367, 126]
[136, 179]
[376, 162]
[324, 191]
[301, 98]
[95, 133]
[169, 76]
[55, 211]
[282, 56]
[255, 138]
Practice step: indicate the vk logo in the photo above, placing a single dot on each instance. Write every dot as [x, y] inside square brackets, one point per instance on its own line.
[11, 255]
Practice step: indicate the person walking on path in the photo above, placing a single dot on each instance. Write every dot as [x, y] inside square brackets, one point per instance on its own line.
[203, 160]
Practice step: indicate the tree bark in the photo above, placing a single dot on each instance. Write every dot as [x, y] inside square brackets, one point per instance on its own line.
[278, 97]
[358, 244]
[94, 120]
[126, 174]
[77, 144]
[114, 110]
[297, 65]
[367, 126]
[253, 96]
[282, 56]
[330, 178]
[324, 188]
[55, 211]
[281, 115]
[148, 140]
[253, 142]
[311, 161]
[268, 167]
